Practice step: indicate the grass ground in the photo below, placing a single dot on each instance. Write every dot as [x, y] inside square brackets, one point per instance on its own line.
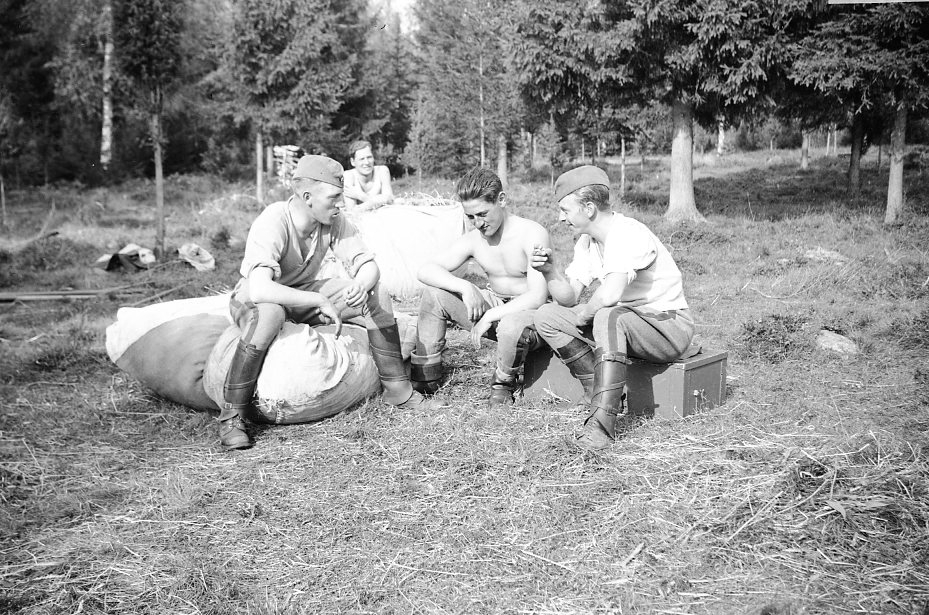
[807, 492]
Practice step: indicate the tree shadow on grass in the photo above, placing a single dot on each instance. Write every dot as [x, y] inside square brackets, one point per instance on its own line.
[780, 192]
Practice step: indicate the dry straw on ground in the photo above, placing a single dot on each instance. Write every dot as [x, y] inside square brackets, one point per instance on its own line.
[806, 493]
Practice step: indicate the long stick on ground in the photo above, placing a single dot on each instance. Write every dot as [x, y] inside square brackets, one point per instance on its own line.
[53, 295]
[158, 295]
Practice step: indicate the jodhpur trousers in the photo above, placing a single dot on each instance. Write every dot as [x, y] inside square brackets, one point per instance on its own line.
[439, 306]
[659, 337]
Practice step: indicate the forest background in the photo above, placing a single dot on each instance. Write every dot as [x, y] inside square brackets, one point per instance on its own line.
[98, 91]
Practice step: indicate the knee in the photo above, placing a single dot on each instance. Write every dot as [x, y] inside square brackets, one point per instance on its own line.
[379, 299]
[433, 300]
[509, 329]
[545, 318]
[270, 319]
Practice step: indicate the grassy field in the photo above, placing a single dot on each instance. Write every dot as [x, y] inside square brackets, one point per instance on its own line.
[807, 492]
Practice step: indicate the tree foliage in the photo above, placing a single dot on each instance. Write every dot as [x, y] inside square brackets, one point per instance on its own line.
[471, 92]
[292, 64]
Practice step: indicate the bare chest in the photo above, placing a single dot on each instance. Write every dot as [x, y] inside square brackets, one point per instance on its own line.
[502, 260]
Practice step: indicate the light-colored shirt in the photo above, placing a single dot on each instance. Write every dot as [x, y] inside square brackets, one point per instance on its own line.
[274, 242]
[631, 249]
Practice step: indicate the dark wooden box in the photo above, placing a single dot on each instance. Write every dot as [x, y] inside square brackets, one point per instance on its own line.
[666, 390]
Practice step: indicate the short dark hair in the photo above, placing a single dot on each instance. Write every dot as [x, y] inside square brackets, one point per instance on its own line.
[479, 183]
[596, 194]
[357, 145]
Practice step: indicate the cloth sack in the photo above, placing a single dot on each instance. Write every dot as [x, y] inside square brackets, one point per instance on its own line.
[290, 386]
[182, 350]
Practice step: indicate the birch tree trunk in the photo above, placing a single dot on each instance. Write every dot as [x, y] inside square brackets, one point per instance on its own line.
[480, 98]
[259, 161]
[682, 206]
[835, 140]
[720, 137]
[501, 159]
[854, 161]
[159, 184]
[895, 180]
[106, 131]
[805, 152]
[3, 220]
[622, 167]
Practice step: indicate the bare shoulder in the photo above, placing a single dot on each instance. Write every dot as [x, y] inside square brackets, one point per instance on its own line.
[382, 172]
[350, 177]
[529, 230]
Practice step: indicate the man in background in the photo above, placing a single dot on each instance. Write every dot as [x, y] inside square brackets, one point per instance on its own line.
[367, 186]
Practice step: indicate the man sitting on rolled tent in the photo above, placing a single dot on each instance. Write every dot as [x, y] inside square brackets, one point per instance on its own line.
[285, 247]
[639, 309]
[367, 186]
[501, 243]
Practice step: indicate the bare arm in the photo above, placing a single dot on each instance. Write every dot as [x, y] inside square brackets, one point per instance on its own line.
[387, 193]
[438, 273]
[609, 294]
[263, 289]
[562, 290]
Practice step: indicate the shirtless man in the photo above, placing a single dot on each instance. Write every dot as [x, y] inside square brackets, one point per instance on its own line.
[367, 186]
[502, 244]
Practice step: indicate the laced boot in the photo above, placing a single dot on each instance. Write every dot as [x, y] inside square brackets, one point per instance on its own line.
[578, 357]
[501, 393]
[238, 391]
[502, 388]
[384, 344]
[607, 401]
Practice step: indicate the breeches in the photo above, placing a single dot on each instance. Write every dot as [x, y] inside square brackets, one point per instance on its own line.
[659, 337]
[438, 307]
[261, 322]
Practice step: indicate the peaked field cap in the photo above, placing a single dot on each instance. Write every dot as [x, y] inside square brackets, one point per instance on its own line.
[587, 175]
[320, 168]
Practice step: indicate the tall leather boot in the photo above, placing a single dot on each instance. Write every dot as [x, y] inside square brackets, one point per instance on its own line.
[426, 372]
[578, 357]
[384, 344]
[238, 391]
[501, 389]
[607, 400]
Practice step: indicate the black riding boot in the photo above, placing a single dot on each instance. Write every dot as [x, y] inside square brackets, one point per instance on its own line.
[385, 350]
[238, 391]
[578, 357]
[607, 400]
[426, 372]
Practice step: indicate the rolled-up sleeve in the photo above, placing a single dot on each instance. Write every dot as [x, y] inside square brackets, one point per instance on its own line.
[264, 247]
[347, 245]
[581, 269]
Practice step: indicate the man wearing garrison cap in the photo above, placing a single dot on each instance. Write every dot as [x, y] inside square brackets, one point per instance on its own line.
[286, 245]
[638, 310]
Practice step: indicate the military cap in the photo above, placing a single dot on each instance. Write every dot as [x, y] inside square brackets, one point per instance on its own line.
[320, 168]
[587, 175]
